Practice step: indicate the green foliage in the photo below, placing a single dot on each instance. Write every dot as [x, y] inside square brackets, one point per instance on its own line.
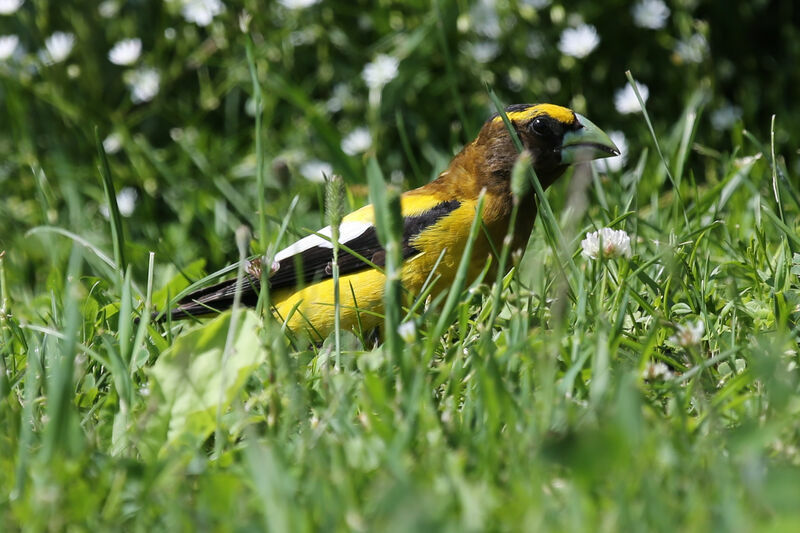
[202, 372]
[656, 391]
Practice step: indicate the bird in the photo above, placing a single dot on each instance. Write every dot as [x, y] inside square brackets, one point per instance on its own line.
[436, 221]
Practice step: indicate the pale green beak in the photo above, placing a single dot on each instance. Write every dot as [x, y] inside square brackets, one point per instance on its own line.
[586, 144]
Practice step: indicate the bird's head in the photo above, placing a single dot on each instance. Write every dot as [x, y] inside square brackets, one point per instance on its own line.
[555, 136]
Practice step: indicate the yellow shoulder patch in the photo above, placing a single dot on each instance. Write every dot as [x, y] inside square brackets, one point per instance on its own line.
[410, 205]
[416, 204]
[562, 114]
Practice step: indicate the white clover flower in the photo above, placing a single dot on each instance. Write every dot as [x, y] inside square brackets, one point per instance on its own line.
[688, 334]
[125, 52]
[316, 170]
[693, 50]
[625, 99]
[407, 331]
[58, 47]
[8, 7]
[144, 84]
[579, 41]
[651, 14]
[725, 117]
[614, 164]
[484, 51]
[8, 44]
[615, 243]
[654, 371]
[126, 202]
[201, 12]
[357, 141]
[380, 71]
[112, 143]
[297, 4]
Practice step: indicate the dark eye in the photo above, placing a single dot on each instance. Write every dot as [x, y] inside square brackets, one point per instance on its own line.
[539, 126]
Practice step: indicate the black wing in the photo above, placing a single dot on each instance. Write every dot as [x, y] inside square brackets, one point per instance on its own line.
[310, 265]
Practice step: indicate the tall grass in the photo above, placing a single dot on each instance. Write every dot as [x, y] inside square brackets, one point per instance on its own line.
[518, 402]
[504, 416]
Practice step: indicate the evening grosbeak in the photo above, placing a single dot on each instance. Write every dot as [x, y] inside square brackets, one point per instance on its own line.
[436, 222]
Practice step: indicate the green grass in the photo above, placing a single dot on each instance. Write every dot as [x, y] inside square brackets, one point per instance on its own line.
[542, 421]
[528, 402]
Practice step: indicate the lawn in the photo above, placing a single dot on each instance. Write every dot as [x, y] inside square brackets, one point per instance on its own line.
[648, 386]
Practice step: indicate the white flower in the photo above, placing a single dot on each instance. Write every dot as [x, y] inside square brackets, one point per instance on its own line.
[484, 51]
[535, 46]
[316, 170]
[484, 17]
[108, 9]
[8, 43]
[615, 243]
[245, 18]
[380, 72]
[144, 84]
[301, 37]
[654, 371]
[250, 107]
[341, 95]
[407, 331]
[126, 202]
[537, 4]
[201, 12]
[357, 141]
[688, 334]
[58, 46]
[725, 117]
[651, 14]
[579, 42]
[112, 143]
[614, 164]
[625, 99]
[693, 50]
[297, 4]
[7, 7]
[125, 52]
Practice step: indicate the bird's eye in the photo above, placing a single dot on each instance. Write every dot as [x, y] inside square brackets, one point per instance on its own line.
[539, 126]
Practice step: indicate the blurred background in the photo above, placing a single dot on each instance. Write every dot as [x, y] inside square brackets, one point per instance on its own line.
[167, 86]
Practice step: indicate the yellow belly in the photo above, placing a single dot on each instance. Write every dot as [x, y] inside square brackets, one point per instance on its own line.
[310, 311]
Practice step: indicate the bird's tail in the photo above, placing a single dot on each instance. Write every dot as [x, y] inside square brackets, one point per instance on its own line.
[214, 299]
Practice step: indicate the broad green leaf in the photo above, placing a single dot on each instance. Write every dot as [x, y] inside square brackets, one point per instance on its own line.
[195, 376]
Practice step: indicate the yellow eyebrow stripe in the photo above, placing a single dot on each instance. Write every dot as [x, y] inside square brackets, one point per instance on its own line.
[562, 114]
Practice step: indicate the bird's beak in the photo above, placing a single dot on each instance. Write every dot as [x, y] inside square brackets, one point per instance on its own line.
[587, 143]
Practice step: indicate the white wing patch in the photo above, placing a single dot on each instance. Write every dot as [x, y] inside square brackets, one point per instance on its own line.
[347, 232]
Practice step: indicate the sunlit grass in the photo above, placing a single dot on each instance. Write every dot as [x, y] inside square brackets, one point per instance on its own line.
[555, 417]
[656, 391]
